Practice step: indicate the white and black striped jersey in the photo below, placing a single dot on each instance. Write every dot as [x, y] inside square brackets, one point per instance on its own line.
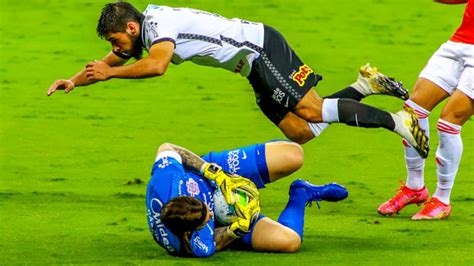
[204, 38]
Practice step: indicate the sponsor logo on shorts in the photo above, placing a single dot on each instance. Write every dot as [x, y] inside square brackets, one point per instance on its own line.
[278, 95]
[233, 161]
[302, 74]
[192, 187]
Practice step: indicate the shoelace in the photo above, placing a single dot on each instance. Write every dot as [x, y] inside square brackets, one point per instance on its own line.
[310, 204]
[431, 201]
[400, 189]
[399, 193]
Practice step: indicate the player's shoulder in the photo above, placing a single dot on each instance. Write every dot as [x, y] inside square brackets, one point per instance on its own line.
[154, 8]
[154, 12]
[159, 10]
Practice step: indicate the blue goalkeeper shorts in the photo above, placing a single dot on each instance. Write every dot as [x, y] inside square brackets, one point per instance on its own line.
[248, 161]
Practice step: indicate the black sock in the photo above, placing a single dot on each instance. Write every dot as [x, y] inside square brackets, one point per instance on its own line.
[360, 115]
[347, 93]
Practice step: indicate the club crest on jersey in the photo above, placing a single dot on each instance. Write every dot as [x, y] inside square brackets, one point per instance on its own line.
[302, 74]
[192, 187]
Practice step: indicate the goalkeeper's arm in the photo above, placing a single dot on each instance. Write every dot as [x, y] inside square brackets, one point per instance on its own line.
[193, 162]
[223, 236]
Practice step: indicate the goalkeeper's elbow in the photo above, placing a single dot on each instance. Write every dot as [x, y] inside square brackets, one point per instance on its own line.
[204, 252]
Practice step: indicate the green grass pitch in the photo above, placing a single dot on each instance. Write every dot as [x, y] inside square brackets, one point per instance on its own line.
[68, 162]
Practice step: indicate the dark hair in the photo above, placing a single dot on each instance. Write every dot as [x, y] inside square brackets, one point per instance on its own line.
[183, 214]
[115, 16]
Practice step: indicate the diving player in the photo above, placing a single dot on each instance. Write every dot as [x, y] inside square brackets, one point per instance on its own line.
[282, 83]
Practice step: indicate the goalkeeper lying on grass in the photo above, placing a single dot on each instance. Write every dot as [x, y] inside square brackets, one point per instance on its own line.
[180, 203]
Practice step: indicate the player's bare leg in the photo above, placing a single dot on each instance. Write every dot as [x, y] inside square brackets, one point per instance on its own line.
[283, 158]
[271, 236]
[427, 94]
[310, 108]
[296, 128]
[458, 109]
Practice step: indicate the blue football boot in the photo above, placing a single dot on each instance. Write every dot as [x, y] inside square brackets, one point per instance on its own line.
[328, 192]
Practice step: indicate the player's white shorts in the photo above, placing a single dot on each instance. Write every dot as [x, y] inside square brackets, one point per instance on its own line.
[452, 67]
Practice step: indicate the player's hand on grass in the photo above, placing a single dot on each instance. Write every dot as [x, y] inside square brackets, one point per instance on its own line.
[61, 84]
[98, 71]
[247, 215]
[227, 182]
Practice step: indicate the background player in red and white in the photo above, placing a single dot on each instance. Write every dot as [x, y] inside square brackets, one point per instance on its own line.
[282, 83]
[449, 73]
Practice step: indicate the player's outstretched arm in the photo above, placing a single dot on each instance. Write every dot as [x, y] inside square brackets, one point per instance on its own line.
[80, 79]
[155, 64]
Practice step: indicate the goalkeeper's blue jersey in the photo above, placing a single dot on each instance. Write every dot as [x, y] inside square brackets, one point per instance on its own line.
[169, 180]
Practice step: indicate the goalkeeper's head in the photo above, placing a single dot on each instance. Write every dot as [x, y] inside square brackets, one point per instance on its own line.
[183, 215]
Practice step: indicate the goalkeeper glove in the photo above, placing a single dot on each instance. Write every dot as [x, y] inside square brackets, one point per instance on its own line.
[227, 182]
[239, 228]
[247, 215]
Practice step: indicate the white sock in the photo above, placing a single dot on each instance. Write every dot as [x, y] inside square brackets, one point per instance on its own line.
[414, 163]
[362, 86]
[330, 111]
[317, 128]
[448, 156]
